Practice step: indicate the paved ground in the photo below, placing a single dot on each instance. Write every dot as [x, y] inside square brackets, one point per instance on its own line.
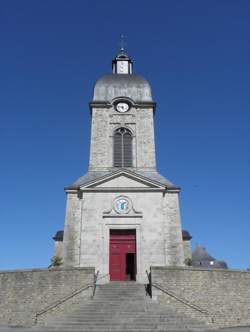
[233, 329]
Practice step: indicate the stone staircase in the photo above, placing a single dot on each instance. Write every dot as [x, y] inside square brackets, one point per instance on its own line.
[118, 307]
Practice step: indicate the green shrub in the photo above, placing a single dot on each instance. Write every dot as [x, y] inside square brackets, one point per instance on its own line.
[188, 261]
[55, 261]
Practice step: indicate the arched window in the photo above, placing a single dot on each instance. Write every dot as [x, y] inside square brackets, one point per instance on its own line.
[123, 148]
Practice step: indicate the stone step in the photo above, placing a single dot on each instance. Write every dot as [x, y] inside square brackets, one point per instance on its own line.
[123, 327]
[118, 323]
[131, 324]
[134, 328]
[116, 302]
[125, 318]
[121, 307]
[128, 313]
[118, 329]
[122, 321]
[117, 297]
[108, 326]
[129, 316]
[82, 329]
[134, 321]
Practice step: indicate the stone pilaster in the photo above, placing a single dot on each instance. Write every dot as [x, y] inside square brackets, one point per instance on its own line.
[172, 227]
[72, 230]
[145, 139]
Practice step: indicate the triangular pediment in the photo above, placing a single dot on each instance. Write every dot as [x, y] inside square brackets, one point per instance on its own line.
[122, 180]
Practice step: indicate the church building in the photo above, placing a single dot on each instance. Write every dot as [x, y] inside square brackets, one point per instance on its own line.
[122, 216]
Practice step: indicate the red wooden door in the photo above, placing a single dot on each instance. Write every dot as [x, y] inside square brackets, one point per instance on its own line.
[122, 243]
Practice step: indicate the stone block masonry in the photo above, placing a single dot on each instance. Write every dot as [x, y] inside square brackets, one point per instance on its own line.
[23, 293]
[223, 294]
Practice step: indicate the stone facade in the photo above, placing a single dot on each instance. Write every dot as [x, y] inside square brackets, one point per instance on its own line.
[154, 212]
[221, 295]
[24, 293]
[154, 216]
[58, 238]
[139, 121]
[72, 230]
[187, 252]
[58, 249]
[187, 248]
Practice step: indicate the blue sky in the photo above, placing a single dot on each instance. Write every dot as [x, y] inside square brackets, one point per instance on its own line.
[195, 55]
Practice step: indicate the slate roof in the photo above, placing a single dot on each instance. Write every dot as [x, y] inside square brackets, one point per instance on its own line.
[200, 254]
[58, 236]
[132, 86]
[186, 236]
[122, 55]
[201, 258]
[95, 175]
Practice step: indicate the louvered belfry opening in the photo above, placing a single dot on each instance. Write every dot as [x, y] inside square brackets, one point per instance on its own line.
[123, 148]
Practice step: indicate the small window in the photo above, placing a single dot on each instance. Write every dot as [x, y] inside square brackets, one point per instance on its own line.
[123, 148]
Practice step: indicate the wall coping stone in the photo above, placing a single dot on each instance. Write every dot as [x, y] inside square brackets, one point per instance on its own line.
[180, 268]
[48, 269]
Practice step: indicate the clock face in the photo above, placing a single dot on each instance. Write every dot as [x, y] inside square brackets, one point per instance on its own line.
[122, 67]
[122, 107]
[122, 205]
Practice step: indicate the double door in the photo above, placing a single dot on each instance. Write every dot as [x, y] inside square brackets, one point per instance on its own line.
[122, 260]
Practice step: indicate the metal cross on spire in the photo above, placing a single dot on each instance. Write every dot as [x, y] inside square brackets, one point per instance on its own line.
[122, 42]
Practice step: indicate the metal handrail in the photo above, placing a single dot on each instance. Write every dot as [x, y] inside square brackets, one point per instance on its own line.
[176, 297]
[95, 281]
[97, 278]
[103, 276]
[148, 287]
[58, 302]
[184, 301]
[64, 299]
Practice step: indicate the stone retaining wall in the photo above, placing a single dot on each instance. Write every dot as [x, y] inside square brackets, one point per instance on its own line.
[224, 294]
[25, 292]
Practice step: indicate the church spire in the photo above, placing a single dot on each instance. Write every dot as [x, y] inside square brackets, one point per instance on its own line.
[122, 63]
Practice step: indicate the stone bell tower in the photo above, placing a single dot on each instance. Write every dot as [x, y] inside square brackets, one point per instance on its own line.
[122, 100]
[122, 216]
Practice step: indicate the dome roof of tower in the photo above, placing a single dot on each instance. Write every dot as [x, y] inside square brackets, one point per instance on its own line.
[132, 86]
